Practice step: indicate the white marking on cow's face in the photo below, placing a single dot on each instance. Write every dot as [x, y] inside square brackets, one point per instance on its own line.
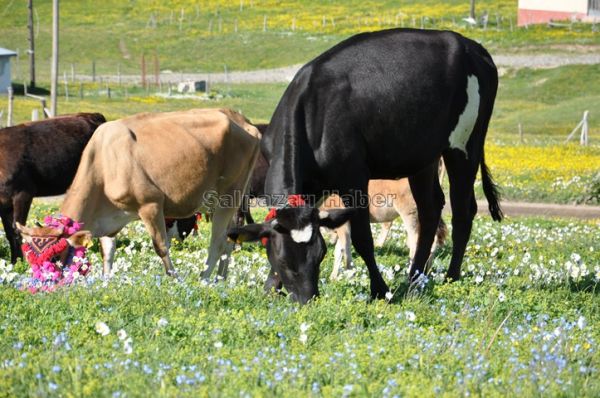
[466, 122]
[323, 214]
[302, 235]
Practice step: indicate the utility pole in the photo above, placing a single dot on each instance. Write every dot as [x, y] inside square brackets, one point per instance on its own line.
[472, 13]
[54, 70]
[31, 45]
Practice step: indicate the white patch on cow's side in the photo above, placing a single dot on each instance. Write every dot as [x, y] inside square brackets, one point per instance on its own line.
[466, 122]
[302, 235]
[323, 214]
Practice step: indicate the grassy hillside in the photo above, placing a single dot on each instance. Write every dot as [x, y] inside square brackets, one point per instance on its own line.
[547, 102]
[206, 35]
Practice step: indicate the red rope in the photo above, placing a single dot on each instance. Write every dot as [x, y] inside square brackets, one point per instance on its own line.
[293, 201]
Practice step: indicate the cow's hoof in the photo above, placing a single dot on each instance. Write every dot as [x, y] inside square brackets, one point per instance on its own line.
[379, 292]
[451, 277]
[172, 273]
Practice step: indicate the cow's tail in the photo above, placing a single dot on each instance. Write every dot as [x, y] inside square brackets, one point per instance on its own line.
[490, 190]
[483, 65]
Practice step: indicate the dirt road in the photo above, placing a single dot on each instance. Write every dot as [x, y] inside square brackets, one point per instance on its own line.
[285, 74]
[510, 209]
[544, 210]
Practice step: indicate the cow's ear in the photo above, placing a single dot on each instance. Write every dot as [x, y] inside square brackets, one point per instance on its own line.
[80, 239]
[249, 233]
[24, 231]
[335, 217]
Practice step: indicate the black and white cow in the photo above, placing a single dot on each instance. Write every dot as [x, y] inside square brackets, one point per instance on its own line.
[380, 105]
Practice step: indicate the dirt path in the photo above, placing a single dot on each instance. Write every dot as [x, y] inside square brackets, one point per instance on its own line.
[285, 74]
[510, 209]
[544, 210]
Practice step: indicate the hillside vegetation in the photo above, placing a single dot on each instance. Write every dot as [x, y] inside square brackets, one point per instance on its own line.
[207, 35]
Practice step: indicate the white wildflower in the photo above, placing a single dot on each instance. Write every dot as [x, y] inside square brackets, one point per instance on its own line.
[102, 328]
[127, 346]
[162, 322]
[410, 316]
[303, 338]
[121, 334]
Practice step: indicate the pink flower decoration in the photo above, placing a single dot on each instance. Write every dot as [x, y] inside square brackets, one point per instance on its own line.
[50, 274]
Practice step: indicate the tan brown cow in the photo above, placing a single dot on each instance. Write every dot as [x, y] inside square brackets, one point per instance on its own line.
[155, 165]
[388, 200]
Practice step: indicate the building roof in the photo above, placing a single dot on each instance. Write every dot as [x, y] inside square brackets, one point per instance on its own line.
[6, 53]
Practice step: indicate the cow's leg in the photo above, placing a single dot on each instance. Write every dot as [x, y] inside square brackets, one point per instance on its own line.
[154, 219]
[6, 213]
[219, 245]
[273, 282]
[429, 197]
[411, 226]
[342, 251]
[246, 208]
[108, 245]
[461, 174]
[383, 234]
[362, 240]
[21, 206]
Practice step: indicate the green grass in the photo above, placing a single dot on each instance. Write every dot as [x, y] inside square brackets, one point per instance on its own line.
[548, 103]
[524, 320]
[115, 34]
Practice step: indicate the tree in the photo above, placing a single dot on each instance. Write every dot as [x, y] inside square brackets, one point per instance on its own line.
[472, 13]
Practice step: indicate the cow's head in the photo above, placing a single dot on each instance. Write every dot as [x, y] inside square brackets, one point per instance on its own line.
[41, 238]
[295, 246]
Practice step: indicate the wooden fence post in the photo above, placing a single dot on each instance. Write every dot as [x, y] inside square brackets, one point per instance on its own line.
[66, 86]
[521, 133]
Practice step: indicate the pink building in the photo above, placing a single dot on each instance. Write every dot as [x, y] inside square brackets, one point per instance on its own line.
[544, 11]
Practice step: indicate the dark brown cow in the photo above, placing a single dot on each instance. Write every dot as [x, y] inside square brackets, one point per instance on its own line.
[39, 159]
[256, 184]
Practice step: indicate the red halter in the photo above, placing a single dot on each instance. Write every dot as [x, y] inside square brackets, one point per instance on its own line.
[293, 201]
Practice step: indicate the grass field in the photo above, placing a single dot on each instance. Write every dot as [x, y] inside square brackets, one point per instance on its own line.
[524, 321]
[192, 36]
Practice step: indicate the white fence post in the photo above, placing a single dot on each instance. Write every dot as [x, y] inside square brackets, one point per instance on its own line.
[11, 98]
[583, 125]
[583, 140]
